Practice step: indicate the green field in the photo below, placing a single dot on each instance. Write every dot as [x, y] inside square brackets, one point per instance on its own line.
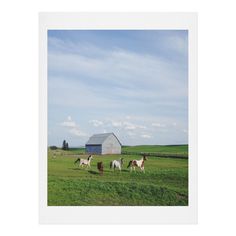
[178, 149]
[165, 182]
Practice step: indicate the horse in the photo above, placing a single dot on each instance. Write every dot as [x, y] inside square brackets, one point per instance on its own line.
[137, 163]
[117, 164]
[85, 162]
[100, 167]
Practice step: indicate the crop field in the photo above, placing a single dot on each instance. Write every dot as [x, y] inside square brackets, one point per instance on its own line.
[164, 183]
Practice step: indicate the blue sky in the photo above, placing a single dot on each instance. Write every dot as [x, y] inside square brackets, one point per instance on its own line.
[130, 82]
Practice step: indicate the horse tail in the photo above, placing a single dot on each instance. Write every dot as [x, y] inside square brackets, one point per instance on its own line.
[110, 164]
[129, 164]
[77, 160]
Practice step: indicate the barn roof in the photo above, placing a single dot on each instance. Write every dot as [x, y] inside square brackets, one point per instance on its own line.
[97, 139]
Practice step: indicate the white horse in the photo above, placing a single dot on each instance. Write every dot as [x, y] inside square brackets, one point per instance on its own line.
[117, 164]
[85, 162]
[137, 163]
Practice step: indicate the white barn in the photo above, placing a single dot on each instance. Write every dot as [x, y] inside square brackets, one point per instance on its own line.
[106, 143]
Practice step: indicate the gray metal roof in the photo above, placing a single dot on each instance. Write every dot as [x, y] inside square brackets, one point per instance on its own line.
[97, 139]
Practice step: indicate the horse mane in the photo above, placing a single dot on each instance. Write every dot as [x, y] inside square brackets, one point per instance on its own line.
[130, 163]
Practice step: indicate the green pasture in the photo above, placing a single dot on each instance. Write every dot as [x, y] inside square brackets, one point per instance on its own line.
[173, 149]
[165, 182]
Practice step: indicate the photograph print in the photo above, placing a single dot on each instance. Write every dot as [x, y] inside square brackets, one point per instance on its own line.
[117, 118]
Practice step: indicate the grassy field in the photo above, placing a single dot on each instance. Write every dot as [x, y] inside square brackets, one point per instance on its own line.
[176, 149]
[165, 182]
[179, 149]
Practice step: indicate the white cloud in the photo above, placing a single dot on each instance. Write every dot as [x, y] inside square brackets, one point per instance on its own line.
[131, 126]
[96, 123]
[123, 124]
[146, 136]
[116, 123]
[123, 68]
[68, 123]
[142, 92]
[77, 132]
[111, 78]
[72, 127]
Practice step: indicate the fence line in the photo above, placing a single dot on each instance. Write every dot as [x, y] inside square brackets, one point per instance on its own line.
[157, 154]
[154, 154]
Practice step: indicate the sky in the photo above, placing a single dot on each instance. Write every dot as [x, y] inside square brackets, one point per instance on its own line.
[133, 83]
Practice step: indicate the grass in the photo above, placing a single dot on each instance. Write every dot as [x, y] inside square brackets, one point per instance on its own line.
[165, 182]
[172, 149]
[179, 149]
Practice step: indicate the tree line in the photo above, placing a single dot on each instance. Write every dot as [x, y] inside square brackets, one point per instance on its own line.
[65, 146]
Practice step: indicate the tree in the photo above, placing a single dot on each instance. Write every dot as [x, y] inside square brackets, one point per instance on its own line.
[65, 145]
[53, 147]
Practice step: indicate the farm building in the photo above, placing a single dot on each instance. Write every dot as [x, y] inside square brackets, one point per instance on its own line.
[106, 143]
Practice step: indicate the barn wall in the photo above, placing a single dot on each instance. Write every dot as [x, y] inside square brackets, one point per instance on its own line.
[93, 149]
[111, 146]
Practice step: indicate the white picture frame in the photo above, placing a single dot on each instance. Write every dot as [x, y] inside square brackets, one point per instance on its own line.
[118, 215]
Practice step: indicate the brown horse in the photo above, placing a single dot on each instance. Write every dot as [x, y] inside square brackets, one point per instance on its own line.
[137, 163]
[100, 167]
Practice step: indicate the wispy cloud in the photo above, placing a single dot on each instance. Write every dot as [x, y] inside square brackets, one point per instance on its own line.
[158, 125]
[96, 123]
[131, 126]
[146, 136]
[134, 85]
[68, 123]
[123, 68]
[73, 128]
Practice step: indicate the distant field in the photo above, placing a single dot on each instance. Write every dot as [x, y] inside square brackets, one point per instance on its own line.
[164, 183]
[77, 150]
[180, 149]
[172, 149]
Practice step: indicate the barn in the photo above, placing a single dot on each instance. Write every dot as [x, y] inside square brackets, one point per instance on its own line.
[106, 143]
